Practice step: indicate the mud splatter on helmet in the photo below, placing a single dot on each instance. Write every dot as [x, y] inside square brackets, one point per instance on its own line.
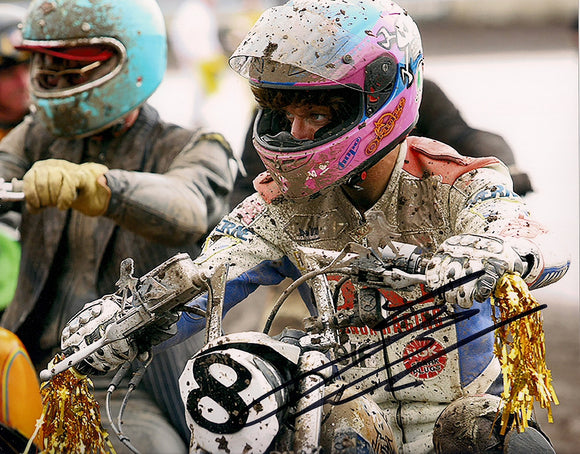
[94, 60]
[370, 46]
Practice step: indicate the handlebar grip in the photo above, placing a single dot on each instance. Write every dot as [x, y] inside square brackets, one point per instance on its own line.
[11, 192]
[17, 185]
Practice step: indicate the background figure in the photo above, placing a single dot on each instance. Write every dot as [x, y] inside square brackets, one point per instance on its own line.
[14, 80]
[105, 179]
[439, 119]
[14, 105]
[194, 40]
[10, 252]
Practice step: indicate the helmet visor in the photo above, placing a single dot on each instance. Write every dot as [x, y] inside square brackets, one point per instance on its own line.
[83, 53]
[61, 68]
[321, 45]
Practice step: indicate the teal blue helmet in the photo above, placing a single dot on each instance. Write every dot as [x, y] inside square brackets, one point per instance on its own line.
[94, 61]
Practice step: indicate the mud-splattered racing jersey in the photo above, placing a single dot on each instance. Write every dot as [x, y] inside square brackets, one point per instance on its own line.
[427, 352]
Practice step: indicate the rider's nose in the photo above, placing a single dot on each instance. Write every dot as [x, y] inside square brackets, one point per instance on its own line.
[301, 129]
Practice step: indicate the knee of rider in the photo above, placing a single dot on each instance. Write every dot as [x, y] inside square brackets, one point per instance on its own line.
[467, 426]
[354, 422]
[470, 425]
[530, 440]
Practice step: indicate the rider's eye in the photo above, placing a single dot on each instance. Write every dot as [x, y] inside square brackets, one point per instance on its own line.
[320, 118]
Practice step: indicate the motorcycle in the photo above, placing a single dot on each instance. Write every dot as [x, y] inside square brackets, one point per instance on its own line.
[252, 392]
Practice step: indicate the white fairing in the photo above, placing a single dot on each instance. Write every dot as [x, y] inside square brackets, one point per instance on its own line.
[225, 388]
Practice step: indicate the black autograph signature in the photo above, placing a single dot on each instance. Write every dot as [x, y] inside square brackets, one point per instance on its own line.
[436, 317]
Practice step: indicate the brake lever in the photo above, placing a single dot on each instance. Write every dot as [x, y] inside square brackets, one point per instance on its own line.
[398, 266]
[393, 278]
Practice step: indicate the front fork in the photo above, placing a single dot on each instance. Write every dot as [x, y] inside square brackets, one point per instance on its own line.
[313, 373]
[311, 390]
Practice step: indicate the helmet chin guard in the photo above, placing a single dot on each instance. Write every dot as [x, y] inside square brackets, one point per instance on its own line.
[371, 47]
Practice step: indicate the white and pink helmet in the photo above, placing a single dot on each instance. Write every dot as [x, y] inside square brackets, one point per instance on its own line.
[370, 46]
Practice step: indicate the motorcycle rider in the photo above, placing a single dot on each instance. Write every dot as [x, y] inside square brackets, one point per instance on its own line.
[439, 119]
[339, 87]
[104, 179]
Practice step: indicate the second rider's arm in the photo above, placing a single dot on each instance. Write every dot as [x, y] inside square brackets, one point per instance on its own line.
[180, 205]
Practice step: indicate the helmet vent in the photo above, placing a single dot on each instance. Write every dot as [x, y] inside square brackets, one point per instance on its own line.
[379, 83]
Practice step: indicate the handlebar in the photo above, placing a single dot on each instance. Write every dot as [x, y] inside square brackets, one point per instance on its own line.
[177, 281]
[164, 289]
[400, 264]
[11, 191]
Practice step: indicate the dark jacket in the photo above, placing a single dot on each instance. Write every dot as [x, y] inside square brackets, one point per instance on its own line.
[169, 186]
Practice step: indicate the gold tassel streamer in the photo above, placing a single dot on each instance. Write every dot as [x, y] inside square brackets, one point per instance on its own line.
[71, 421]
[520, 348]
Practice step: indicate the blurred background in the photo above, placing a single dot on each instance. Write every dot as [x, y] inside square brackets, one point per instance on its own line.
[510, 66]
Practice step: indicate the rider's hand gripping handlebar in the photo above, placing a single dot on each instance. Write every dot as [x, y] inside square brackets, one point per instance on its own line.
[145, 302]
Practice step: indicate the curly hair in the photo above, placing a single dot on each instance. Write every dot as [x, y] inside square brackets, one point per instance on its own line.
[339, 100]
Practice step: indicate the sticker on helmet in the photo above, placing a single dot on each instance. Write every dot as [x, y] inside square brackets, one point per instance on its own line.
[384, 126]
[350, 154]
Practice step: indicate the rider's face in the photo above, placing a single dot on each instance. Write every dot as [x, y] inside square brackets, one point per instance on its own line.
[306, 119]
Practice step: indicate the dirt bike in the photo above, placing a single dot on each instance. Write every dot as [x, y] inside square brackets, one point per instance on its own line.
[252, 392]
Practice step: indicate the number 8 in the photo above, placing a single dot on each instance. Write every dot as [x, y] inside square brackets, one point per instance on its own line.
[227, 396]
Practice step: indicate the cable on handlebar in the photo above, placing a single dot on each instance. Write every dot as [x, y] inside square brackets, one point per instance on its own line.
[297, 283]
[135, 380]
[339, 285]
[133, 383]
[112, 387]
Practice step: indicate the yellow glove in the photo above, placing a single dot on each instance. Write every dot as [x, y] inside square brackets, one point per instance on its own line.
[63, 184]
